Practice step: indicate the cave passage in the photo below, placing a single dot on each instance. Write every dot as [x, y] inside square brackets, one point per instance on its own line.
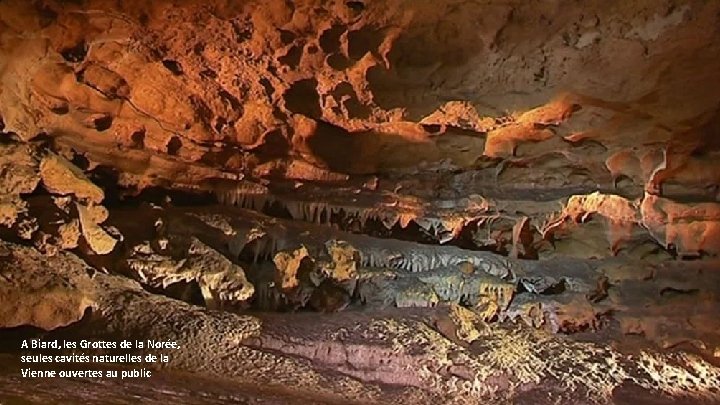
[405, 201]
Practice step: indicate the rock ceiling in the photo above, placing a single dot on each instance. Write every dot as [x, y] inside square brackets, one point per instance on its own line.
[442, 105]
[316, 154]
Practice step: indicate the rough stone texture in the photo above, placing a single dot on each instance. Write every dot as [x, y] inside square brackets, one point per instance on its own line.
[446, 356]
[97, 238]
[616, 96]
[18, 176]
[221, 282]
[549, 164]
[289, 265]
[617, 296]
[61, 177]
[45, 292]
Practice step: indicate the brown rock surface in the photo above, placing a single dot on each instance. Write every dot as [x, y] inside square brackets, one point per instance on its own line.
[97, 238]
[552, 164]
[136, 82]
[32, 294]
[18, 176]
[61, 177]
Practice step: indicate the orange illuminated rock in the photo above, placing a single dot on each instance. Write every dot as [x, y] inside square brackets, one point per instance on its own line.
[620, 216]
[62, 177]
[459, 114]
[503, 141]
[318, 91]
[624, 163]
[552, 113]
[610, 206]
[689, 229]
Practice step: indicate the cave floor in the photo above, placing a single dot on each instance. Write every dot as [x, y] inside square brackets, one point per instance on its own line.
[393, 355]
[332, 316]
[272, 309]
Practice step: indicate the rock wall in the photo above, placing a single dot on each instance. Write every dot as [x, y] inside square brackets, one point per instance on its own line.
[558, 99]
[314, 154]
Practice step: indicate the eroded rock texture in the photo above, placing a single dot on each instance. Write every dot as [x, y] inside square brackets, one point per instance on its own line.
[522, 103]
[435, 171]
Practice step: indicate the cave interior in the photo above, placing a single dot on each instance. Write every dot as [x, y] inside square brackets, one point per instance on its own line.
[400, 201]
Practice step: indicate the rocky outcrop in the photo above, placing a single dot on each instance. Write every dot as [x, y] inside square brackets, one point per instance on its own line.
[165, 262]
[442, 355]
[40, 291]
[18, 176]
[328, 86]
[63, 178]
[340, 93]
[481, 163]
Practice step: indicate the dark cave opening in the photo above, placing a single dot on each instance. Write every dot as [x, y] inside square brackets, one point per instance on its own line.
[173, 66]
[303, 98]
[186, 291]
[76, 53]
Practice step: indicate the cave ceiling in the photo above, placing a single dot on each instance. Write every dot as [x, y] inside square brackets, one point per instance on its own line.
[560, 157]
[431, 106]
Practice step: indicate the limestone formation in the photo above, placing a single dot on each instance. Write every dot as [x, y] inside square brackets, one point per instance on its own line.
[222, 283]
[97, 238]
[40, 291]
[61, 177]
[405, 201]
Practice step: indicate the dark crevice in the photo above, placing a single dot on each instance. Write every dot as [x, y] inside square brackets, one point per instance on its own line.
[363, 41]
[302, 98]
[356, 6]
[182, 290]
[673, 292]
[274, 145]
[555, 289]
[173, 66]
[208, 74]
[80, 161]
[355, 109]
[433, 129]
[75, 53]
[345, 95]
[292, 58]
[269, 89]
[287, 37]
[220, 124]
[330, 38]
[233, 101]
[173, 146]
[338, 61]
[60, 109]
[108, 179]
[103, 123]
[138, 139]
